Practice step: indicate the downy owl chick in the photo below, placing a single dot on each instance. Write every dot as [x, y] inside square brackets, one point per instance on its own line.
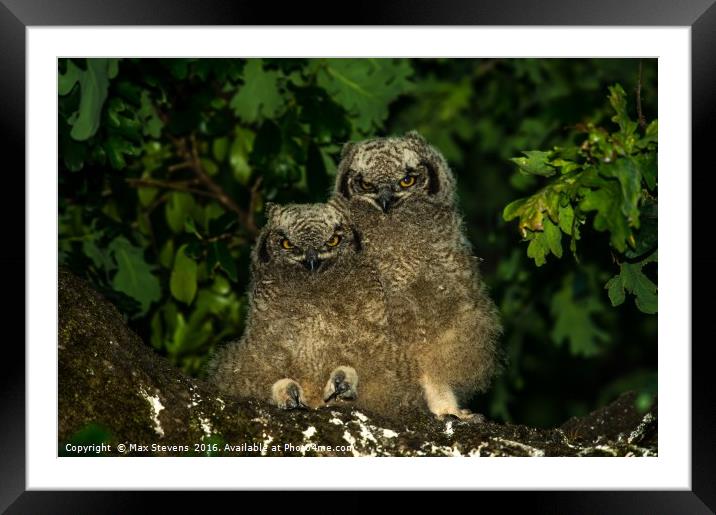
[316, 313]
[401, 194]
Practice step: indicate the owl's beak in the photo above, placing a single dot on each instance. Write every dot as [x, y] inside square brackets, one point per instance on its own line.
[385, 198]
[311, 261]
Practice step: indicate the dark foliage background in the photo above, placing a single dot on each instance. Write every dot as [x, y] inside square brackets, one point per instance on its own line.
[165, 165]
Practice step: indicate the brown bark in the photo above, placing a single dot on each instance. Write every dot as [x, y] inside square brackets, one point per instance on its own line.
[112, 384]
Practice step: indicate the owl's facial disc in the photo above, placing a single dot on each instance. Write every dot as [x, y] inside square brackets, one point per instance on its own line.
[307, 238]
[387, 190]
[311, 249]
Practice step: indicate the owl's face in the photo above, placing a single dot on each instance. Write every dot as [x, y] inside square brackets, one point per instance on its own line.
[390, 173]
[310, 237]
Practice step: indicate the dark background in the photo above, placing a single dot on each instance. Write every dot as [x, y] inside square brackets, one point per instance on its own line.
[165, 166]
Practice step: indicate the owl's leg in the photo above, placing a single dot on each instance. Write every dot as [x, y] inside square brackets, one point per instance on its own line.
[287, 394]
[343, 384]
[442, 401]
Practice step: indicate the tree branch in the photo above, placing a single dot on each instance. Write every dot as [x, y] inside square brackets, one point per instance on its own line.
[188, 150]
[191, 155]
[109, 378]
[169, 185]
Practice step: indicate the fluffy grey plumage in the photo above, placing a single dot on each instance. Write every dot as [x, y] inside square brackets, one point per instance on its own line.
[316, 316]
[401, 195]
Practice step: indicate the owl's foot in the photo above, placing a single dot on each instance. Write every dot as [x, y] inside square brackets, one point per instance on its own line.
[442, 402]
[343, 384]
[464, 415]
[288, 394]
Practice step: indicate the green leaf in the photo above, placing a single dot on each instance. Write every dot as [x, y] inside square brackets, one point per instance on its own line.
[73, 153]
[222, 224]
[607, 202]
[326, 118]
[166, 255]
[151, 123]
[537, 249]
[182, 282]
[66, 81]
[631, 279]
[218, 254]
[651, 136]
[615, 290]
[220, 147]
[364, 87]
[617, 99]
[628, 174]
[536, 163]
[100, 256]
[209, 166]
[259, 97]
[566, 218]
[513, 209]
[176, 343]
[94, 82]
[553, 238]
[134, 276]
[116, 147]
[215, 303]
[565, 166]
[239, 154]
[574, 321]
[156, 337]
[179, 206]
[146, 195]
[531, 210]
[648, 166]
[190, 227]
[646, 237]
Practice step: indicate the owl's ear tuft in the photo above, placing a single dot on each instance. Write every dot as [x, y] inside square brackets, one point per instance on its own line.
[347, 147]
[433, 177]
[357, 240]
[271, 209]
[262, 245]
[342, 187]
[344, 169]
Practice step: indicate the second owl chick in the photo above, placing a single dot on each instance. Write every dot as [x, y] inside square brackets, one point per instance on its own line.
[401, 194]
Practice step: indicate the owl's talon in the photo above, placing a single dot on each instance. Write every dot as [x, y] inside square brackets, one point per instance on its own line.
[287, 394]
[462, 415]
[343, 384]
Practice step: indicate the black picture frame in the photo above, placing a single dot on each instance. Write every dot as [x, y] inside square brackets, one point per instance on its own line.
[17, 15]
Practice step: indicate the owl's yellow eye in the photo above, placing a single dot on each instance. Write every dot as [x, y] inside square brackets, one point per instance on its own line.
[407, 181]
[286, 244]
[335, 240]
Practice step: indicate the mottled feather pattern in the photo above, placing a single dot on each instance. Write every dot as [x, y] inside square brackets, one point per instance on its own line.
[303, 324]
[439, 312]
[399, 298]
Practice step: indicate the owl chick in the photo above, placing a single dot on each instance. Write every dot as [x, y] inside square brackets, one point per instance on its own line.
[401, 195]
[316, 315]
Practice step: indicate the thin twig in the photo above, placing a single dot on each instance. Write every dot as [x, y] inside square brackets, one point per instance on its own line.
[161, 199]
[221, 237]
[219, 194]
[180, 166]
[189, 152]
[639, 113]
[169, 185]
